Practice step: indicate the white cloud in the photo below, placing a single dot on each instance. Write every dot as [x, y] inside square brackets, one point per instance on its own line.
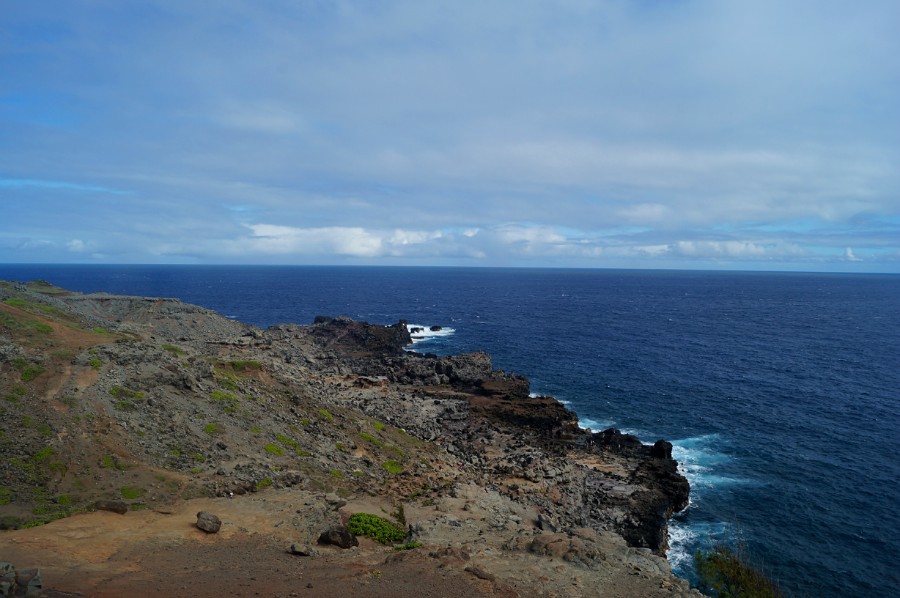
[850, 257]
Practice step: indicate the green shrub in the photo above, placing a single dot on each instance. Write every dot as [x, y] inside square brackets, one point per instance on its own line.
[95, 363]
[6, 495]
[378, 426]
[375, 527]
[408, 546]
[263, 483]
[728, 574]
[324, 413]
[213, 428]
[392, 467]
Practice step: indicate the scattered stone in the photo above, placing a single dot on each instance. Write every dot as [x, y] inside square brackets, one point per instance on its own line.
[115, 506]
[303, 550]
[22, 582]
[208, 522]
[334, 501]
[480, 573]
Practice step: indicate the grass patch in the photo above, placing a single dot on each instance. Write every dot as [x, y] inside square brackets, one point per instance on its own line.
[291, 444]
[373, 439]
[263, 483]
[274, 449]
[120, 392]
[375, 527]
[173, 349]
[230, 401]
[30, 372]
[408, 546]
[326, 414]
[131, 492]
[6, 496]
[392, 467]
[43, 455]
[95, 363]
[378, 426]
[336, 473]
[213, 428]
[110, 462]
[245, 364]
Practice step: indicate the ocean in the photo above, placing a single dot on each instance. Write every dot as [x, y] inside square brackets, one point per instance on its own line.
[779, 391]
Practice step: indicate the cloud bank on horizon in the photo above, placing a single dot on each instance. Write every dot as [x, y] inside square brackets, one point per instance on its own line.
[606, 133]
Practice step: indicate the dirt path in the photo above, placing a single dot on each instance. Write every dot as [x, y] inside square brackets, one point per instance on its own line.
[152, 553]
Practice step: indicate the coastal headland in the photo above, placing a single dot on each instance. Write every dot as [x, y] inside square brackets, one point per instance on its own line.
[122, 418]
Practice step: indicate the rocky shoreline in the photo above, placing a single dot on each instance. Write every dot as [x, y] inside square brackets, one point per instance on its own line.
[156, 404]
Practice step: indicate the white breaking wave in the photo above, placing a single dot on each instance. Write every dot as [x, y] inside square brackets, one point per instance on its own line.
[595, 425]
[685, 539]
[700, 461]
[421, 333]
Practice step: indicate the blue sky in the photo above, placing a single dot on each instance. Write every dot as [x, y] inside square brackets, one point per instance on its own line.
[757, 134]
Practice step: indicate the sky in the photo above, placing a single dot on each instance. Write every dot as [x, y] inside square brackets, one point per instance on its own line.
[707, 134]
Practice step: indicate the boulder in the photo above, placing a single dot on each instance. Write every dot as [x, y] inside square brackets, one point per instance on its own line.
[208, 522]
[338, 536]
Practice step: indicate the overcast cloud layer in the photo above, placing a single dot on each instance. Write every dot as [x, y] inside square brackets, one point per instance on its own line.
[749, 134]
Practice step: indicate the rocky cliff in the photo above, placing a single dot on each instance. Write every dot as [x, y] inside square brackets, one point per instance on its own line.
[150, 406]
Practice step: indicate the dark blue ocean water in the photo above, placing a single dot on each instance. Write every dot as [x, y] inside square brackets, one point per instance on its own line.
[780, 391]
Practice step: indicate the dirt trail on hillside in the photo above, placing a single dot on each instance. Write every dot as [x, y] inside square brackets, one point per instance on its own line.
[154, 553]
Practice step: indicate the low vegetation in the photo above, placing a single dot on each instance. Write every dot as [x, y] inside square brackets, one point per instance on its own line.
[725, 573]
[375, 527]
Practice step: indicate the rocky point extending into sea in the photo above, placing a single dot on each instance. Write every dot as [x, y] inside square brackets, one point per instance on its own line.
[123, 418]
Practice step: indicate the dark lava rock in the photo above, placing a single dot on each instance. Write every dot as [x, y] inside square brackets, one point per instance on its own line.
[116, 506]
[208, 522]
[436, 328]
[661, 450]
[339, 536]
